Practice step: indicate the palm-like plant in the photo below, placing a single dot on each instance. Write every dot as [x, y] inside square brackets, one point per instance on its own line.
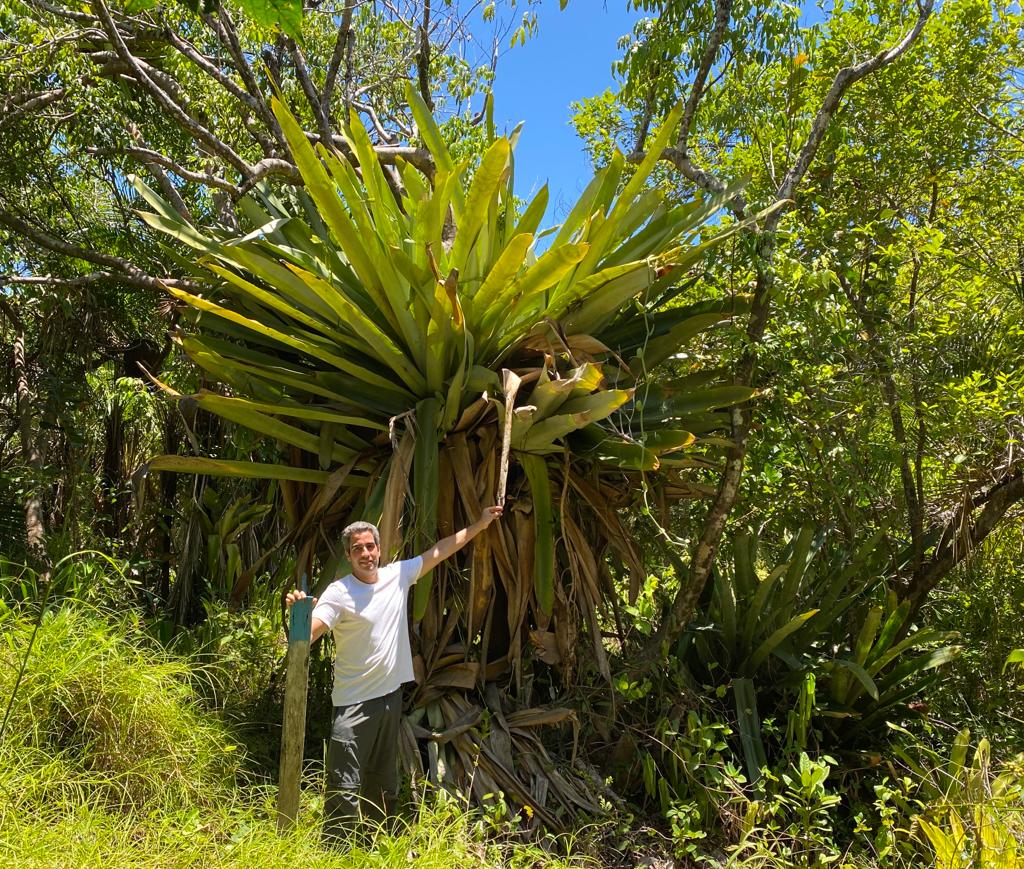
[382, 325]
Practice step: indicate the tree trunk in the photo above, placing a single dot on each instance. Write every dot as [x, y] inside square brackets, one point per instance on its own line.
[112, 479]
[35, 523]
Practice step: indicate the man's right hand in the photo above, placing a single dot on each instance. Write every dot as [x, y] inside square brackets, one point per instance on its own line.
[295, 595]
[318, 628]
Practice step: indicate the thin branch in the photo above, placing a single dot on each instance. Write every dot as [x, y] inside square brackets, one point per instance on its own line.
[723, 11]
[423, 58]
[57, 281]
[7, 309]
[147, 155]
[267, 167]
[169, 191]
[845, 78]
[342, 52]
[965, 531]
[385, 136]
[250, 102]
[309, 89]
[60, 12]
[995, 124]
[224, 27]
[129, 272]
[887, 383]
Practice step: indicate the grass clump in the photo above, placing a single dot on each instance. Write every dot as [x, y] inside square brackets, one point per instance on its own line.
[100, 712]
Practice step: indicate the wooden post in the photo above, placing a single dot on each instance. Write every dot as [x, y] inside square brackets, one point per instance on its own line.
[293, 728]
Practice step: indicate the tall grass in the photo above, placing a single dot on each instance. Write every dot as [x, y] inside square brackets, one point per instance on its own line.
[242, 834]
[109, 759]
[114, 715]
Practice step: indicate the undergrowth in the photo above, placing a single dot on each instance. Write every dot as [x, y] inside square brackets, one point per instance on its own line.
[120, 753]
[109, 759]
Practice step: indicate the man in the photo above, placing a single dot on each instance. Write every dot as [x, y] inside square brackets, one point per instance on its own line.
[366, 612]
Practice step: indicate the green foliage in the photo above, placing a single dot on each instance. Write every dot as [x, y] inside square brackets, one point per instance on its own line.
[91, 578]
[805, 642]
[985, 603]
[690, 776]
[794, 822]
[110, 759]
[286, 14]
[119, 720]
[223, 523]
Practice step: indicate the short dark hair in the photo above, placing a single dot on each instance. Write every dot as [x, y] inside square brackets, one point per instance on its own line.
[358, 528]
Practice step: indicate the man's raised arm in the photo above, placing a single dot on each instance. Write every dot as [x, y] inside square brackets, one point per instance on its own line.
[450, 545]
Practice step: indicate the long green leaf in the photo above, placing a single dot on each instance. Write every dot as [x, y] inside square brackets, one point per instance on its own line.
[860, 674]
[375, 340]
[428, 129]
[324, 192]
[749, 725]
[759, 605]
[773, 642]
[891, 681]
[501, 275]
[482, 191]
[302, 411]
[304, 346]
[579, 413]
[225, 468]
[659, 349]
[239, 411]
[522, 292]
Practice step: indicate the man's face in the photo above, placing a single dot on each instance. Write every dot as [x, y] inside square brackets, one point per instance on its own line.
[363, 552]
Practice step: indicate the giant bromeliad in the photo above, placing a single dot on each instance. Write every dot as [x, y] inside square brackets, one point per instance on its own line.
[379, 324]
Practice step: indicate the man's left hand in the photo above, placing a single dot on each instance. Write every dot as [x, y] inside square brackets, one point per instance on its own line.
[489, 515]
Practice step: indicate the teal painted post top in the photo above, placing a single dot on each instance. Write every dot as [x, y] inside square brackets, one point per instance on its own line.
[300, 624]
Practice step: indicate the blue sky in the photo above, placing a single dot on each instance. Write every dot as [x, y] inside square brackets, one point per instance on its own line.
[569, 58]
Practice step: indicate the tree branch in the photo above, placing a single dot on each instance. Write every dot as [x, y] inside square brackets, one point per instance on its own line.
[224, 27]
[423, 58]
[129, 272]
[163, 100]
[964, 532]
[267, 167]
[845, 78]
[342, 52]
[188, 50]
[66, 14]
[169, 191]
[723, 12]
[147, 155]
[883, 362]
[309, 89]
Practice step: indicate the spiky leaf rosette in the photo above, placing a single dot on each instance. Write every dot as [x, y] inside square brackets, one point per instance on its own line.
[363, 323]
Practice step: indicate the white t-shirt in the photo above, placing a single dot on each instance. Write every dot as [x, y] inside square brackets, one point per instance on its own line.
[371, 631]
